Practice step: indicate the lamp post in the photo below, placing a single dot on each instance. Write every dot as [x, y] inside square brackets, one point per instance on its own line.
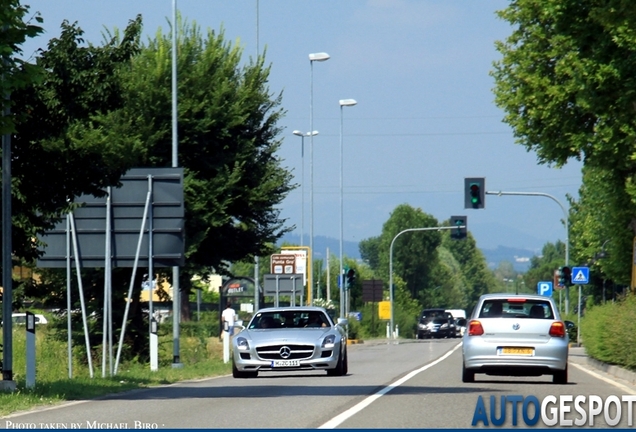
[176, 292]
[302, 174]
[322, 56]
[343, 103]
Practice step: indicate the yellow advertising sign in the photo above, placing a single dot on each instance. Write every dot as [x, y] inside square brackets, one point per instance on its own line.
[384, 310]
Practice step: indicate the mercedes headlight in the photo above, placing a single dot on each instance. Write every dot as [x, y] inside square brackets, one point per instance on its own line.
[241, 344]
[329, 341]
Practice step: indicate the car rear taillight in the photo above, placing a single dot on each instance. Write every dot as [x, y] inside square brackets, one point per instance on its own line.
[475, 328]
[557, 329]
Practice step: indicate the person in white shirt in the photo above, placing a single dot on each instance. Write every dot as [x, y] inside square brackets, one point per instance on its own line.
[229, 316]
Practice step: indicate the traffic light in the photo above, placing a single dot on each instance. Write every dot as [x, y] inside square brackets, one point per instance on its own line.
[458, 221]
[566, 274]
[475, 192]
[351, 277]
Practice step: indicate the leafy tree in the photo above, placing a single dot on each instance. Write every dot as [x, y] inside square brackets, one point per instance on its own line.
[15, 72]
[370, 252]
[228, 139]
[101, 110]
[451, 291]
[472, 265]
[598, 223]
[566, 80]
[72, 116]
[542, 267]
[414, 253]
[567, 86]
[406, 309]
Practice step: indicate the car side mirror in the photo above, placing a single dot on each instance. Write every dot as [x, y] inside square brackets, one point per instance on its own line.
[569, 325]
[343, 321]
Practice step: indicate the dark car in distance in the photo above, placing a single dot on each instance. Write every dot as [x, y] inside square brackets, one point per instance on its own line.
[437, 323]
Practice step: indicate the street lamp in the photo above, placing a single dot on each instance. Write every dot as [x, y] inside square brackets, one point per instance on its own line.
[322, 56]
[302, 174]
[343, 103]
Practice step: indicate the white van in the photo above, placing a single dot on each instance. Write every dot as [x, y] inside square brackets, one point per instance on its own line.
[459, 316]
[457, 313]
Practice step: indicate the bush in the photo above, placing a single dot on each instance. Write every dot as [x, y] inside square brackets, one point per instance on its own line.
[608, 332]
[354, 329]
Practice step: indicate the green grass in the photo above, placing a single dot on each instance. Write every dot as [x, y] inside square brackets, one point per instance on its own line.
[201, 357]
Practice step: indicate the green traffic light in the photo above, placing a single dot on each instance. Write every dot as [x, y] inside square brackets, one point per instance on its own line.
[474, 194]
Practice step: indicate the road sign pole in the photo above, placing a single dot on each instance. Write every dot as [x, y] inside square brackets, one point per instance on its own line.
[578, 325]
[580, 276]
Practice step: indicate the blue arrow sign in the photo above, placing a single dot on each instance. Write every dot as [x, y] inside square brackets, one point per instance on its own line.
[544, 288]
[580, 275]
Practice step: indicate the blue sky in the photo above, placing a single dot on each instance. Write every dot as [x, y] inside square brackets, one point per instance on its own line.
[424, 120]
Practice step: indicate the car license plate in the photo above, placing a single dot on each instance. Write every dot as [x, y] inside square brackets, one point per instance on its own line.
[285, 363]
[516, 351]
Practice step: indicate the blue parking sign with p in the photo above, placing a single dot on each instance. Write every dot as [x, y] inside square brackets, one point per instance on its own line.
[544, 289]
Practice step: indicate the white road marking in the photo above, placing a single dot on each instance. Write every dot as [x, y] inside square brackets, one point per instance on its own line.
[340, 418]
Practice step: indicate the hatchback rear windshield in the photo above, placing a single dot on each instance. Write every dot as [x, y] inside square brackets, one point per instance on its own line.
[516, 308]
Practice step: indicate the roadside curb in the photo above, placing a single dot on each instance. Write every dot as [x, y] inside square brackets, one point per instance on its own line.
[578, 355]
[614, 370]
[354, 341]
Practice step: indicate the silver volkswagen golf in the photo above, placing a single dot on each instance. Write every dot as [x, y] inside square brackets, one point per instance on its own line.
[515, 335]
[290, 338]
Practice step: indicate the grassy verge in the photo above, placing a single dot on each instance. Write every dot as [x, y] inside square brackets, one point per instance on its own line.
[201, 357]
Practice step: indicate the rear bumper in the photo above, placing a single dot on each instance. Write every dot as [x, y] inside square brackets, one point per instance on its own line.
[483, 357]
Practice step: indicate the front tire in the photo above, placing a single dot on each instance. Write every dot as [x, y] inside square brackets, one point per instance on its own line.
[345, 366]
[341, 366]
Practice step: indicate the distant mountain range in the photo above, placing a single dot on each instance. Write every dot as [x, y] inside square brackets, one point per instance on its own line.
[520, 258]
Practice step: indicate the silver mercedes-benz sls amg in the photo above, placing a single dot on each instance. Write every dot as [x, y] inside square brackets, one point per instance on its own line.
[288, 339]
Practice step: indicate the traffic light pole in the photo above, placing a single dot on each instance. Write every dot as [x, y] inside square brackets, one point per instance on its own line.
[567, 230]
[392, 328]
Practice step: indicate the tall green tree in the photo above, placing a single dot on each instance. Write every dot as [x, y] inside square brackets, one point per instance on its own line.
[228, 142]
[103, 109]
[599, 223]
[71, 138]
[414, 253]
[471, 265]
[542, 267]
[567, 85]
[15, 72]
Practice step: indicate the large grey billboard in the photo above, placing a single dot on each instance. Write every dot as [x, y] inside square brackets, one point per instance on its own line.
[165, 214]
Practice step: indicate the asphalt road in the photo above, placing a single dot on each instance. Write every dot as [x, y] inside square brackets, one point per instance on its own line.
[413, 384]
